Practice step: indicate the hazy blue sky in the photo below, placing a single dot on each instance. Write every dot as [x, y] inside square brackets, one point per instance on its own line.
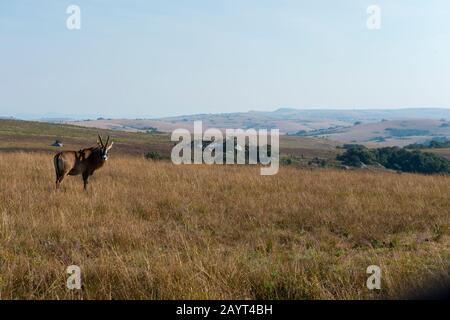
[158, 58]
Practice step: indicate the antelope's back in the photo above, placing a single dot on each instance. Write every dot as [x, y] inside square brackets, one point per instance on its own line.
[65, 160]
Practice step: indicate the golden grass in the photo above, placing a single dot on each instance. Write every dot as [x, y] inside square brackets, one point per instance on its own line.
[153, 230]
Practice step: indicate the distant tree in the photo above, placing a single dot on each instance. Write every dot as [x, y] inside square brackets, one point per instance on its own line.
[433, 144]
[356, 155]
[318, 162]
[401, 132]
[286, 160]
[150, 130]
[301, 133]
[396, 158]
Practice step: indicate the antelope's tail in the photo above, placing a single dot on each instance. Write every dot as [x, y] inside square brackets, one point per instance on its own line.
[57, 163]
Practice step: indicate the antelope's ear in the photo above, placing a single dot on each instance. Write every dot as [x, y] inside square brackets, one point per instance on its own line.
[110, 146]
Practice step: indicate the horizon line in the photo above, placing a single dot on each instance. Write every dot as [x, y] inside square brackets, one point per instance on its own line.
[80, 117]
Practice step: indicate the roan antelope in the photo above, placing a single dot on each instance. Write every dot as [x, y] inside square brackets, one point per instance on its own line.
[83, 162]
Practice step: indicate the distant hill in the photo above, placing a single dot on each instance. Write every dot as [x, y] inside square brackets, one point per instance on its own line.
[388, 133]
[361, 126]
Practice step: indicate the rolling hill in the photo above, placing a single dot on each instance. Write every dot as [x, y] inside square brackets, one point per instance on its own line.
[18, 135]
[388, 133]
[371, 127]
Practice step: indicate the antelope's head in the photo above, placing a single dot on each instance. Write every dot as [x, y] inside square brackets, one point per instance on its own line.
[104, 148]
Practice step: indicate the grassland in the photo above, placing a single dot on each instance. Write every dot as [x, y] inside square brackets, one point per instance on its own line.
[153, 230]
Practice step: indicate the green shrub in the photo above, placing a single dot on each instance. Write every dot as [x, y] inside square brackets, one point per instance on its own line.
[436, 143]
[396, 158]
[153, 155]
[356, 155]
[287, 160]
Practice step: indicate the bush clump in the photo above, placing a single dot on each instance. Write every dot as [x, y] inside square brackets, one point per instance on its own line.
[153, 155]
[395, 158]
[433, 144]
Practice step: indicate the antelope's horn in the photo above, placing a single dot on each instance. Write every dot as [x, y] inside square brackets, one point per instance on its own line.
[107, 141]
[110, 146]
[100, 138]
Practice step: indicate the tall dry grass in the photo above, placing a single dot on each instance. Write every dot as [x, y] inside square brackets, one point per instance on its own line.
[153, 230]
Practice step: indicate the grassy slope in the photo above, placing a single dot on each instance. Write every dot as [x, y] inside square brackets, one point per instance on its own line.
[365, 133]
[155, 230]
[291, 122]
[38, 136]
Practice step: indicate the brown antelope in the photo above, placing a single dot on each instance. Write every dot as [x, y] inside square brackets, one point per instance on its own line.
[83, 162]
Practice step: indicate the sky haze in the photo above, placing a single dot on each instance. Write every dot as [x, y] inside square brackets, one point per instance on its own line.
[162, 58]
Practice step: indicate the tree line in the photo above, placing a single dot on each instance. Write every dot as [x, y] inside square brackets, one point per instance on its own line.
[395, 158]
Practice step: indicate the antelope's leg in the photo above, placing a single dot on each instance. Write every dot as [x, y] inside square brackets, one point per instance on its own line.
[85, 180]
[59, 180]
